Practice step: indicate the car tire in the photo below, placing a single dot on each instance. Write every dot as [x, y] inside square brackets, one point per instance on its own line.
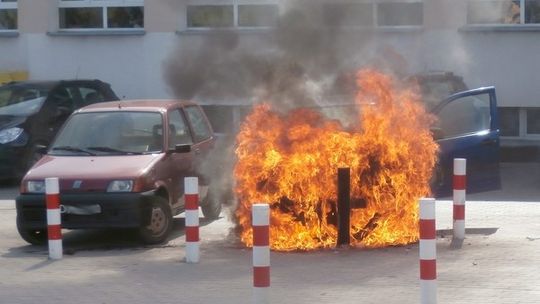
[211, 205]
[156, 229]
[33, 236]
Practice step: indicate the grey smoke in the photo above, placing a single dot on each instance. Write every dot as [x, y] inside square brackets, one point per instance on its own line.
[299, 62]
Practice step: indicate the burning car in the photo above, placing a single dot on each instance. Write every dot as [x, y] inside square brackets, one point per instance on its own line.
[121, 165]
[393, 144]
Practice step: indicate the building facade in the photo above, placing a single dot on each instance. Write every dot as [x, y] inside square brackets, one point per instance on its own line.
[128, 42]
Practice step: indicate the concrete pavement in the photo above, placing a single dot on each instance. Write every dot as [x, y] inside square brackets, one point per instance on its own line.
[499, 263]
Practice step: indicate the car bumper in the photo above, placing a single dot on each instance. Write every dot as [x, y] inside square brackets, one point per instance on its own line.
[116, 210]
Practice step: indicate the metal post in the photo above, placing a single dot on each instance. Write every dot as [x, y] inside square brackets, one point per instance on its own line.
[459, 185]
[54, 225]
[428, 252]
[344, 206]
[261, 253]
[191, 190]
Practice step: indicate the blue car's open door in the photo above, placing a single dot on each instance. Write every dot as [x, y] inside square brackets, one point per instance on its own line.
[468, 128]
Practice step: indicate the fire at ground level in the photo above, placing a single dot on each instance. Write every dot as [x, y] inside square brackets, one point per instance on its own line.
[290, 160]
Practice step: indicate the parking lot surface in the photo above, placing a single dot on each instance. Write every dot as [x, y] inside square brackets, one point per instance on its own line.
[497, 263]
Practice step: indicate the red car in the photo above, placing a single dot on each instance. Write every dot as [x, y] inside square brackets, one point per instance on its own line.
[121, 165]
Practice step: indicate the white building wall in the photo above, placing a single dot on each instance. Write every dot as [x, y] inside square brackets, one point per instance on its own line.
[13, 54]
[133, 63]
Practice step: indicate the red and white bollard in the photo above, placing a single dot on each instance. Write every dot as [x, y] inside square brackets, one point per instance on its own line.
[54, 225]
[428, 252]
[459, 182]
[191, 195]
[261, 253]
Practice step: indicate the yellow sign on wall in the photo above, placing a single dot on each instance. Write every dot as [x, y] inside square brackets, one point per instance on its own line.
[7, 76]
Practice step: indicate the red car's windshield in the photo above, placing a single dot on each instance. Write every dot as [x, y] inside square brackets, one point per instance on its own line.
[110, 133]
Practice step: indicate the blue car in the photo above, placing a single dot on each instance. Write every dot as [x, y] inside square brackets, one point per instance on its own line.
[468, 127]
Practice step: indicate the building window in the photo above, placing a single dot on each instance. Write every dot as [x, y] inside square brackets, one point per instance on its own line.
[503, 12]
[232, 15]
[210, 16]
[214, 14]
[509, 121]
[533, 121]
[348, 14]
[101, 14]
[400, 14]
[257, 15]
[532, 11]
[8, 15]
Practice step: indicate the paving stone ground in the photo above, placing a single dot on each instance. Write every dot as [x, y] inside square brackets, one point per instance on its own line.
[499, 262]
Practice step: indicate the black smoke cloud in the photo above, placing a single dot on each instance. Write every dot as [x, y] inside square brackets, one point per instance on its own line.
[309, 58]
[306, 58]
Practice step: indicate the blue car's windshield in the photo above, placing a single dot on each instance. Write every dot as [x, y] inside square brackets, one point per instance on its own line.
[23, 108]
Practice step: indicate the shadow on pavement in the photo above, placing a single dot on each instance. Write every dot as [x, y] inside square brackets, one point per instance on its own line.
[482, 231]
[104, 240]
[458, 243]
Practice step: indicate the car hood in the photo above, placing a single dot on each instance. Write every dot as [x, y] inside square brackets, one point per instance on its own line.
[105, 168]
[9, 121]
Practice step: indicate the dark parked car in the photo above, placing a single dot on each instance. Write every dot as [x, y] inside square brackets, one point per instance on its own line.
[122, 165]
[31, 112]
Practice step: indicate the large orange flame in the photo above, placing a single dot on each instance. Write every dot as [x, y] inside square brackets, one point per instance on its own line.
[290, 161]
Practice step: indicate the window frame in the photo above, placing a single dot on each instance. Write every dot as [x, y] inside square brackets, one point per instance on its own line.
[235, 5]
[104, 5]
[460, 100]
[521, 15]
[525, 125]
[192, 124]
[236, 12]
[522, 127]
[10, 6]
[186, 124]
[374, 11]
[406, 26]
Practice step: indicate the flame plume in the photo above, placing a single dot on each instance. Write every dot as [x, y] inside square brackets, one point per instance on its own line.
[290, 161]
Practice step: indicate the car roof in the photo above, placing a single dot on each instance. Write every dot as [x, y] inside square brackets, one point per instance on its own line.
[48, 83]
[158, 105]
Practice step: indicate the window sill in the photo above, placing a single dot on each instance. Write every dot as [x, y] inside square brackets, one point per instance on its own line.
[9, 34]
[207, 30]
[98, 32]
[517, 141]
[501, 28]
[266, 30]
[400, 29]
